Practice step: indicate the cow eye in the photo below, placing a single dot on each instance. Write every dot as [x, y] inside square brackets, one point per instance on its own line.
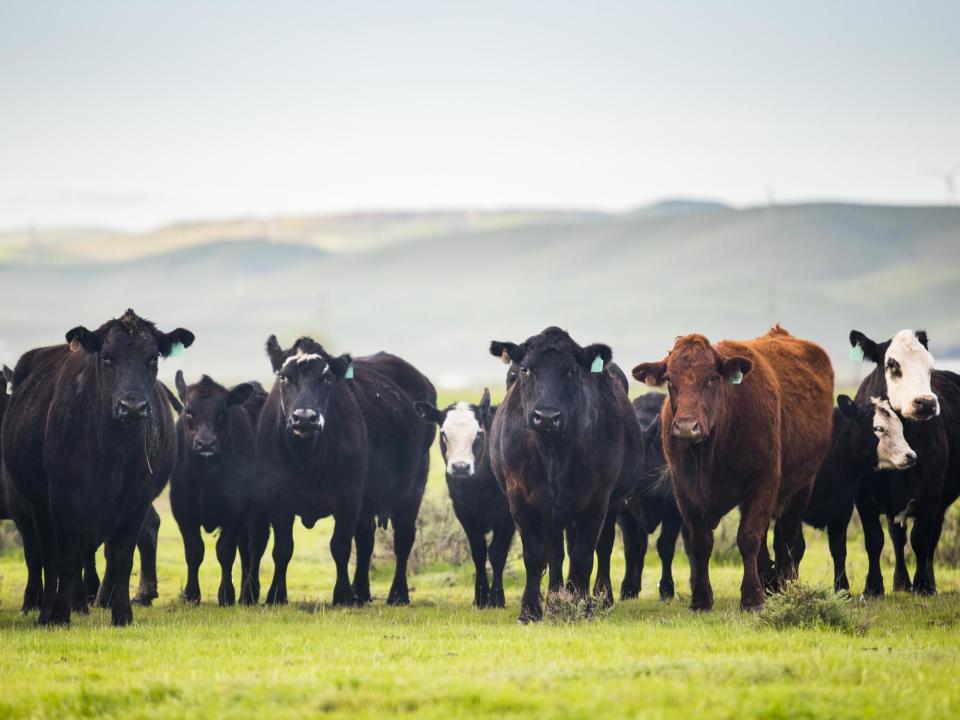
[524, 370]
[879, 430]
[283, 379]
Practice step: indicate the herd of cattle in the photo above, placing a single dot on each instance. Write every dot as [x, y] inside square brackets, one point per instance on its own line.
[89, 441]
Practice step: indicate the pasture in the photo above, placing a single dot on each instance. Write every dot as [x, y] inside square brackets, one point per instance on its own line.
[440, 657]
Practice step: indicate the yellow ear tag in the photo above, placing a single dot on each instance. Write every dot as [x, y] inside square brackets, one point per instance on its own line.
[505, 356]
[74, 345]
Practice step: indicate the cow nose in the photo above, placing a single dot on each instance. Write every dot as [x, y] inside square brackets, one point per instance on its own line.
[132, 408]
[460, 468]
[911, 459]
[546, 420]
[686, 430]
[303, 419]
[206, 447]
[925, 407]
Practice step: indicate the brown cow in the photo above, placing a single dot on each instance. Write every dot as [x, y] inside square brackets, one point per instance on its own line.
[748, 424]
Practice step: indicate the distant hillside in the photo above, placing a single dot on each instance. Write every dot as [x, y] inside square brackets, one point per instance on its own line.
[439, 294]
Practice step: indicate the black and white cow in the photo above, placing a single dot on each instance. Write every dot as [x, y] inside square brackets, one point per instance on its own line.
[478, 502]
[929, 400]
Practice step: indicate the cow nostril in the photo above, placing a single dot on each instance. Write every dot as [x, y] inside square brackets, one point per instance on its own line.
[911, 459]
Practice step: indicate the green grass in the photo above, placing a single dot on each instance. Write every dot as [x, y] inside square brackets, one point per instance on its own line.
[441, 658]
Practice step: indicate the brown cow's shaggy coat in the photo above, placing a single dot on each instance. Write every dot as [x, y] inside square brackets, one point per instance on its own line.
[748, 425]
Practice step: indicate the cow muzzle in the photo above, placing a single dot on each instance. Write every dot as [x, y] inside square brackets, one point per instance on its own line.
[303, 422]
[547, 422]
[131, 408]
[206, 447]
[688, 431]
[460, 469]
[924, 408]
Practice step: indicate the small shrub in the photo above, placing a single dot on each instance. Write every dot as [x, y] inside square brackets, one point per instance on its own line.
[440, 538]
[9, 537]
[948, 549]
[565, 608]
[807, 607]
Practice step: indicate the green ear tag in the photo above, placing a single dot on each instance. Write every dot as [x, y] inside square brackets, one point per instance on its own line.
[737, 377]
[597, 365]
[176, 349]
[348, 375]
[856, 353]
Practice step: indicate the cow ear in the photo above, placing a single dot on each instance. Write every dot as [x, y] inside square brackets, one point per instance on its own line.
[172, 399]
[173, 343]
[80, 337]
[848, 408]
[736, 368]
[275, 353]
[239, 394]
[922, 337]
[427, 412]
[595, 357]
[507, 351]
[484, 405]
[651, 373]
[8, 375]
[342, 366]
[870, 350]
[181, 385]
[651, 432]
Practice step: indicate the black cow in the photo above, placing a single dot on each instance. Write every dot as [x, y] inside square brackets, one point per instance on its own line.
[866, 437]
[650, 503]
[478, 502]
[88, 442]
[563, 440]
[341, 437]
[929, 400]
[215, 484]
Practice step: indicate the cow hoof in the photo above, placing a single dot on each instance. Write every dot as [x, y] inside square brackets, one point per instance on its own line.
[345, 598]
[924, 589]
[142, 600]
[192, 598]
[701, 605]
[873, 591]
[629, 592]
[53, 620]
[666, 593]
[398, 599]
[497, 599]
[529, 615]
[121, 617]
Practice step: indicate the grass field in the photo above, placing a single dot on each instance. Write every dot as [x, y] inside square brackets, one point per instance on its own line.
[441, 658]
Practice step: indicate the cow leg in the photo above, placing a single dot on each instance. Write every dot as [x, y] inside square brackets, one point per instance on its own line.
[282, 552]
[589, 526]
[344, 528]
[33, 556]
[499, 548]
[602, 587]
[51, 562]
[258, 533]
[765, 564]
[121, 546]
[873, 542]
[923, 538]
[790, 528]
[91, 580]
[555, 556]
[226, 554]
[147, 546]
[78, 595]
[534, 562]
[243, 547]
[634, 548]
[404, 533]
[365, 537]
[837, 537]
[193, 551]
[754, 520]
[666, 548]
[898, 538]
[701, 546]
[478, 551]
[105, 593]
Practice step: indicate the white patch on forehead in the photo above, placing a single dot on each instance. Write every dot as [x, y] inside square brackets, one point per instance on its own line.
[460, 428]
[301, 357]
[909, 382]
[893, 451]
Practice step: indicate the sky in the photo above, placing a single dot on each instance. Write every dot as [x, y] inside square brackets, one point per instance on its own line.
[132, 115]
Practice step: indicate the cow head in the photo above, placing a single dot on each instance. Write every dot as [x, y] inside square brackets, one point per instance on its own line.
[307, 376]
[126, 352]
[889, 449]
[907, 367]
[552, 368]
[698, 380]
[463, 429]
[206, 412]
[502, 351]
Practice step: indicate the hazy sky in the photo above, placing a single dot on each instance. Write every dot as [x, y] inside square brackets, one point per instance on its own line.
[130, 114]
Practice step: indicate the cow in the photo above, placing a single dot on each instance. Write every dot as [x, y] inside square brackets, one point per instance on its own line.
[478, 502]
[650, 503]
[215, 485]
[929, 401]
[564, 439]
[88, 443]
[866, 437]
[340, 437]
[747, 424]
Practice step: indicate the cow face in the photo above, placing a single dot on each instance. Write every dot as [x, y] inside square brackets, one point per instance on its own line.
[206, 413]
[463, 429]
[552, 367]
[907, 368]
[307, 376]
[697, 379]
[889, 449]
[126, 351]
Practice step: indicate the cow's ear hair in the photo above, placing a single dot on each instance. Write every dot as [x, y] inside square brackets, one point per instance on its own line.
[239, 394]
[507, 351]
[922, 337]
[181, 385]
[428, 412]
[650, 373]
[342, 366]
[871, 351]
[275, 353]
[484, 405]
[80, 337]
[590, 353]
[167, 342]
[848, 408]
[734, 369]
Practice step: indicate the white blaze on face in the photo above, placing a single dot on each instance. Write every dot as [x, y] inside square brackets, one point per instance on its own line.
[893, 452]
[907, 366]
[460, 428]
[301, 357]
